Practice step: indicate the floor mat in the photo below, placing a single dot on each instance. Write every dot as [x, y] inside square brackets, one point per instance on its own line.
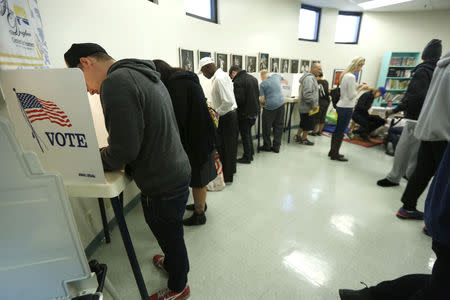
[358, 141]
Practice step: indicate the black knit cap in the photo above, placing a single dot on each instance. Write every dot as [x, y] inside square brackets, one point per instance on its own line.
[433, 50]
[77, 51]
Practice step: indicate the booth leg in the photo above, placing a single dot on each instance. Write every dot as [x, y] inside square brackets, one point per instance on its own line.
[118, 211]
[101, 204]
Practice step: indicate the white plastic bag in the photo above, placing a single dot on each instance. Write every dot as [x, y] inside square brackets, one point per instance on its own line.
[218, 183]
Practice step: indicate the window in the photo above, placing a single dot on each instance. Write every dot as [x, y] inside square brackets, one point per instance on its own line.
[309, 22]
[347, 27]
[203, 9]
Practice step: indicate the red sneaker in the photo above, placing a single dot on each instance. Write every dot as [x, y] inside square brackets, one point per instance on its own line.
[158, 261]
[167, 294]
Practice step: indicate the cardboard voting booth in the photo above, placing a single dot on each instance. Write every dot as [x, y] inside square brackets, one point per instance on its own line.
[52, 117]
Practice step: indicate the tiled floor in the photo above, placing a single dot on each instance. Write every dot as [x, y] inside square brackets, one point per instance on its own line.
[293, 225]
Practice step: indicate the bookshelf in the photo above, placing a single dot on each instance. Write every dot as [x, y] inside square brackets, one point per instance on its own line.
[395, 74]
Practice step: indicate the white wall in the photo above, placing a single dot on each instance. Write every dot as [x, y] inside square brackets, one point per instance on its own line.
[139, 28]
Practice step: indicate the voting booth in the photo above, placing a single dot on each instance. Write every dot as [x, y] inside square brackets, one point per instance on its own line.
[50, 116]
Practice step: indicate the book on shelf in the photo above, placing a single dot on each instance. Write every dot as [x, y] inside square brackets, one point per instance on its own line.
[389, 97]
[396, 84]
[403, 61]
[393, 72]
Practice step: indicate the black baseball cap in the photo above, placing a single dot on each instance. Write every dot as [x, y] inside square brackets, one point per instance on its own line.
[77, 51]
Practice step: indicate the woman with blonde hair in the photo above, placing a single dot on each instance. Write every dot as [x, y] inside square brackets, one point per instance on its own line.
[349, 90]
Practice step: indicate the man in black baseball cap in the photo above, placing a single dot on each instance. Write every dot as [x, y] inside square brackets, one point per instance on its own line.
[143, 138]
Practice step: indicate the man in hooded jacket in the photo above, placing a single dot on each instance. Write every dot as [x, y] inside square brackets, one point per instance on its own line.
[143, 139]
[408, 146]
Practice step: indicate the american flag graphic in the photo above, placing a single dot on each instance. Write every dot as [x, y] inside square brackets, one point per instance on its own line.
[38, 109]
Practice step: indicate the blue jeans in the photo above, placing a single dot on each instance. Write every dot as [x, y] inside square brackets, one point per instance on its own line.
[344, 117]
[164, 215]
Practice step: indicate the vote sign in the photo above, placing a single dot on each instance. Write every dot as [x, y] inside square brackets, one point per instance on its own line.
[51, 114]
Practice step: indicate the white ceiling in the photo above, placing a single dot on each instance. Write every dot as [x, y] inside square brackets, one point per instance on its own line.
[352, 5]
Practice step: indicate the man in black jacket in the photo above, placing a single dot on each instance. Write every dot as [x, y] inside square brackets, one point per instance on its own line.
[408, 146]
[246, 92]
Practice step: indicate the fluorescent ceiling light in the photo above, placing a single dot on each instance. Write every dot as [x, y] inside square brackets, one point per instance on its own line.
[380, 3]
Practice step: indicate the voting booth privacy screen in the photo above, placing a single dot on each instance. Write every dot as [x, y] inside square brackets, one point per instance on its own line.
[52, 117]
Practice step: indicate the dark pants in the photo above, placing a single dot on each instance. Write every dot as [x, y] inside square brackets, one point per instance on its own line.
[245, 127]
[367, 123]
[394, 135]
[273, 119]
[344, 117]
[164, 215]
[428, 160]
[228, 135]
[419, 286]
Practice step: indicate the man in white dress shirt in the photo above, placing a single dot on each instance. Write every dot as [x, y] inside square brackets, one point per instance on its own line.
[223, 101]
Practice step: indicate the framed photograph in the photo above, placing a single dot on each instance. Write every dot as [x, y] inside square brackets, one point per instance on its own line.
[336, 75]
[305, 66]
[201, 54]
[237, 60]
[250, 64]
[284, 65]
[187, 59]
[222, 61]
[275, 65]
[263, 61]
[294, 65]
[358, 76]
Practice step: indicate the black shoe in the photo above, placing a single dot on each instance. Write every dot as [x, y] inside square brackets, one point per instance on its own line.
[276, 150]
[386, 183]
[405, 177]
[243, 161]
[192, 207]
[355, 294]
[266, 149]
[338, 158]
[390, 153]
[307, 142]
[195, 219]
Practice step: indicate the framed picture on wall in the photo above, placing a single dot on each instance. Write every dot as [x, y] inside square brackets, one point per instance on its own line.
[222, 61]
[237, 60]
[358, 76]
[201, 54]
[250, 64]
[187, 59]
[304, 66]
[294, 65]
[275, 65]
[263, 61]
[336, 76]
[284, 65]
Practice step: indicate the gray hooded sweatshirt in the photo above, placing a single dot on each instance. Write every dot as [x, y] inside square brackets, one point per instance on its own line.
[308, 94]
[143, 132]
[434, 119]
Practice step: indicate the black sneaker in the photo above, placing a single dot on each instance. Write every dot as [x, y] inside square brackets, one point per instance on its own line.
[266, 149]
[386, 183]
[192, 207]
[276, 150]
[195, 219]
[307, 142]
[243, 161]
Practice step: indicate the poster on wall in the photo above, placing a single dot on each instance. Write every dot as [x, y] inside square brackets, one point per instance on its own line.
[54, 121]
[222, 61]
[274, 65]
[336, 76]
[22, 41]
[294, 65]
[237, 60]
[284, 65]
[250, 62]
[304, 66]
[187, 59]
[202, 54]
[263, 61]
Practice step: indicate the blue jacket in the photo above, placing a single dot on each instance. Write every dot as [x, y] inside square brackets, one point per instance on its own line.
[437, 205]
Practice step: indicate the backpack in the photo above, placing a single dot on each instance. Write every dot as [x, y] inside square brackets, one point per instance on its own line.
[335, 96]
